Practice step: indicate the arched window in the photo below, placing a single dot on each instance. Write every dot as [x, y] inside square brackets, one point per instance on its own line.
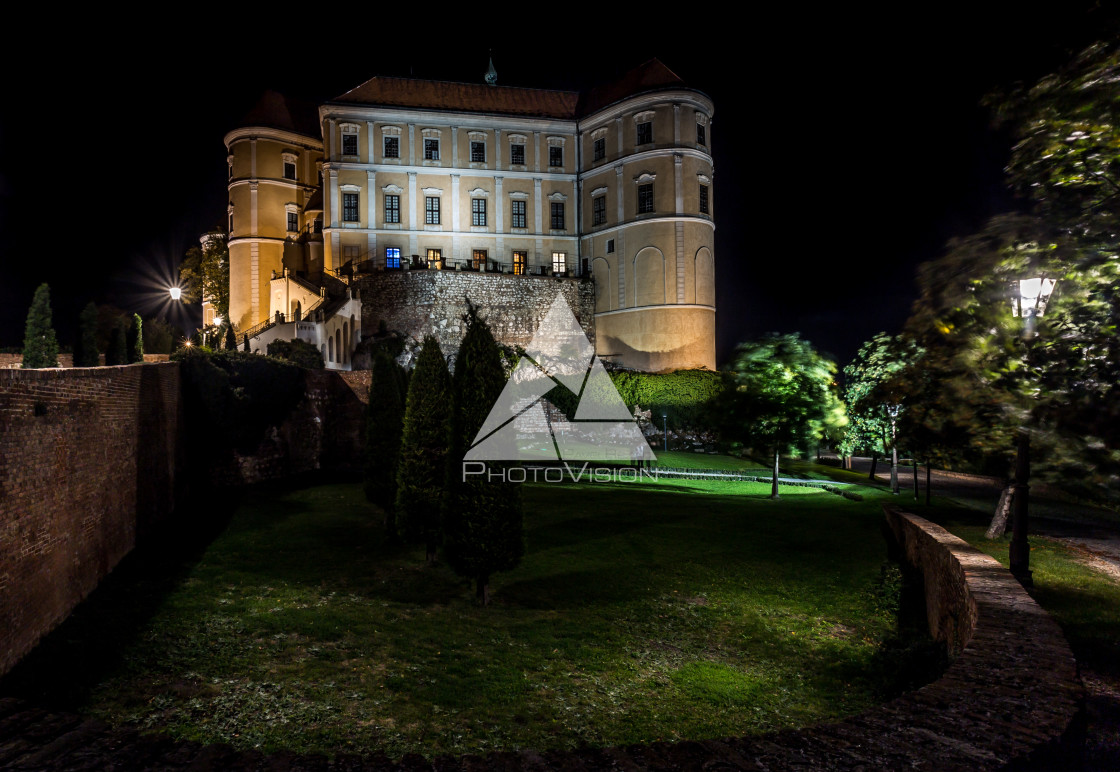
[330, 349]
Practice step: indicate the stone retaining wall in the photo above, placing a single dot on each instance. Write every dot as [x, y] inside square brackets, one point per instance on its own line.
[419, 302]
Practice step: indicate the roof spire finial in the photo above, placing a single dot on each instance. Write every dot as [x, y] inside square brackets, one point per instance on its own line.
[491, 73]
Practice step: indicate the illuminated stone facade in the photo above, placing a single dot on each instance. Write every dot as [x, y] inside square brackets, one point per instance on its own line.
[614, 183]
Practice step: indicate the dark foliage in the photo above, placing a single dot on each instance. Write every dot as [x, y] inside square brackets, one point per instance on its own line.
[117, 352]
[482, 517]
[40, 347]
[134, 342]
[384, 426]
[423, 454]
[232, 398]
[85, 348]
[298, 352]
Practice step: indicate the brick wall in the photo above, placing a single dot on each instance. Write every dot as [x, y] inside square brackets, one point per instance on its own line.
[88, 461]
[9, 361]
[421, 302]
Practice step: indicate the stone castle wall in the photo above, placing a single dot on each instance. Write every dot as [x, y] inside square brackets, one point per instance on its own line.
[88, 463]
[418, 302]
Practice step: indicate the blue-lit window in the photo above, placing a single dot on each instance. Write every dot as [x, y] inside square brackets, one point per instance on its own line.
[393, 257]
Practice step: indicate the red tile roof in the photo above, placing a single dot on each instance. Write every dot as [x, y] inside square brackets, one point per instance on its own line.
[276, 111]
[462, 97]
[508, 100]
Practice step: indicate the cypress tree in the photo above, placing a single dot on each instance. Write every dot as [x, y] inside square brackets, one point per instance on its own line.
[40, 347]
[384, 425]
[135, 340]
[85, 350]
[482, 517]
[231, 339]
[117, 352]
[422, 467]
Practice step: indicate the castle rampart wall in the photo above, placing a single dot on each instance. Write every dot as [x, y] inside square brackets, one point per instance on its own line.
[418, 302]
[88, 461]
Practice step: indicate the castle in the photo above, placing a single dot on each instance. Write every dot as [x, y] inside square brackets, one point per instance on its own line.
[405, 197]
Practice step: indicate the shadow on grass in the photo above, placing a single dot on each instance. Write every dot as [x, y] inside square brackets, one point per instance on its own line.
[69, 661]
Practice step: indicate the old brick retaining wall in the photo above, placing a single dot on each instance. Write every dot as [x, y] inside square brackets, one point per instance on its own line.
[88, 462]
[418, 302]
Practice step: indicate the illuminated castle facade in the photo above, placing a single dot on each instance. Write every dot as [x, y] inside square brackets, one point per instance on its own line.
[612, 184]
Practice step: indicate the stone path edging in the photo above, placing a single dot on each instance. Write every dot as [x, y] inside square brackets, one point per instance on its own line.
[1009, 696]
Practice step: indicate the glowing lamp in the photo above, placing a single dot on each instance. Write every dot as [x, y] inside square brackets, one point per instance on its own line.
[1030, 297]
[217, 321]
[176, 293]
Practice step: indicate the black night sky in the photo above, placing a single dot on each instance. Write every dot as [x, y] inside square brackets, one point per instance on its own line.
[849, 144]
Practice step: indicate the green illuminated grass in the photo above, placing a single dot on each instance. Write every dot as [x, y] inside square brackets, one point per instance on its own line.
[659, 610]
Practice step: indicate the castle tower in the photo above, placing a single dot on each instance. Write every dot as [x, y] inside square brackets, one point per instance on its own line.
[275, 216]
[647, 220]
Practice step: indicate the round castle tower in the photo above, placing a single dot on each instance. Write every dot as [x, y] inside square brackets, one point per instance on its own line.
[648, 228]
[275, 209]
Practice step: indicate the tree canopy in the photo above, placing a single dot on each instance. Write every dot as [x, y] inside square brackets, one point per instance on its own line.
[985, 373]
[204, 273]
[782, 395]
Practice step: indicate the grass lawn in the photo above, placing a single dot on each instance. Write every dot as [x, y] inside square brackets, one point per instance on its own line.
[642, 611]
[682, 459]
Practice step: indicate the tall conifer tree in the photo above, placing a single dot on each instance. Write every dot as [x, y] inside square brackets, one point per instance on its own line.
[482, 516]
[40, 347]
[384, 424]
[85, 350]
[422, 466]
[135, 339]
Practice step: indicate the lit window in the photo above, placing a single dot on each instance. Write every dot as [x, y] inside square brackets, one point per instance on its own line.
[350, 207]
[289, 170]
[645, 198]
[431, 210]
[349, 144]
[435, 258]
[431, 149]
[393, 257]
[557, 215]
[392, 208]
[598, 210]
[478, 212]
[478, 259]
[518, 212]
[517, 155]
[703, 199]
[555, 156]
[559, 262]
[701, 134]
[645, 133]
[293, 222]
[600, 148]
[519, 260]
[392, 147]
[478, 152]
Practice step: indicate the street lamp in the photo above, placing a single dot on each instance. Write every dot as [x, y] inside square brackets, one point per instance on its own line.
[1029, 299]
[176, 293]
[665, 428]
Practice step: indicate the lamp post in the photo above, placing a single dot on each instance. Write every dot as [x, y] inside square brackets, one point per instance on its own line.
[665, 429]
[1028, 301]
